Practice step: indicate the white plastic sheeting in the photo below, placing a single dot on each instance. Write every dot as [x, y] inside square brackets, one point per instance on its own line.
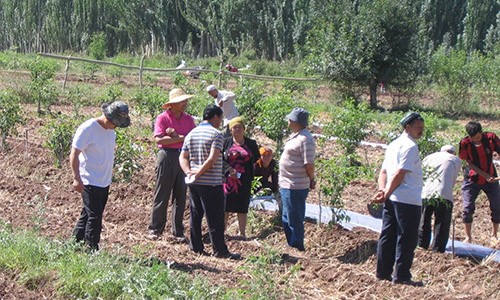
[314, 211]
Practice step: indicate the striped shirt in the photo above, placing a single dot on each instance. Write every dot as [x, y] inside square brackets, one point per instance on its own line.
[299, 150]
[198, 144]
[480, 155]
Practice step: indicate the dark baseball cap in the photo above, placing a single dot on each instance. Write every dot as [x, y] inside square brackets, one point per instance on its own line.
[117, 113]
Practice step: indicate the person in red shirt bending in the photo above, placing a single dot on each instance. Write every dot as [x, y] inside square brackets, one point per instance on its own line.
[477, 150]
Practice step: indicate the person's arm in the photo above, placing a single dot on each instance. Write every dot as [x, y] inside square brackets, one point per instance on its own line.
[310, 174]
[394, 182]
[208, 164]
[184, 162]
[170, 137]
[487, 176]
[75, 169]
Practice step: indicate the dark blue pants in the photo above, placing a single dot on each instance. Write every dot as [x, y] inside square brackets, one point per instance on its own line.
[209, 201]
[398, 240]
[442, 210]
[89, 225]
[294, 210]
[470, 191]
[169, 181]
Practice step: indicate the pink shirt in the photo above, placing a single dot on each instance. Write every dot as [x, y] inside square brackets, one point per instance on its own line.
[182, 126]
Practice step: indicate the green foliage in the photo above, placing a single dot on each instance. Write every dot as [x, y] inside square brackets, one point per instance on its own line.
[149, 101]
[97, 46]
[449, 69]
[10, 116]
[350, 125]
[272, 112]
[58, 137]
[127, 156]
[248, 95]
[261, 271]
[333, 176]
[42, 88]
[77, 275]
[111, 93]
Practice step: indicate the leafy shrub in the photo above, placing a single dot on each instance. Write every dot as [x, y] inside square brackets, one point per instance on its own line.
[58, 137]
[10, 116]
[111, 93]
[271, 115]
[350, 126]
[333, 176]
[127, 156]
[41, 87]
[149, 101]
[248, 95]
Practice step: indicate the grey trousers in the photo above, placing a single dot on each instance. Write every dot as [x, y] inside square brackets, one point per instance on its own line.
[169, 181]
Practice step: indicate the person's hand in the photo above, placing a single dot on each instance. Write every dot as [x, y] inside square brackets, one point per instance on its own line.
[77, 186]
[379, 197]
[312, 184]
[233, 173]
[492, 179]
[171, 132]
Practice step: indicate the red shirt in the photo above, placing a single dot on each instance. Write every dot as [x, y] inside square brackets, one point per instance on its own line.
[182, 126]
[480, 155]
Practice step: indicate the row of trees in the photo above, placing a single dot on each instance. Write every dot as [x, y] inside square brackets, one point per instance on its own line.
[271, 29]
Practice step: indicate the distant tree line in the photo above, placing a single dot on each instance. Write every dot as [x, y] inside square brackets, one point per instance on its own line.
[269, 29]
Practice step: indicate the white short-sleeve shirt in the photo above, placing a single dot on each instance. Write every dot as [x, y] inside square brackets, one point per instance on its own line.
[97, 146]
[403, 153]
[445, 168]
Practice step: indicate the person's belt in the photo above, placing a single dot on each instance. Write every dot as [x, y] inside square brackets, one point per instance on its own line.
[172, 149]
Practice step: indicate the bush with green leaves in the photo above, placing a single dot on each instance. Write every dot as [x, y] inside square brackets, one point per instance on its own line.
[334, 175]
[10, 116]
[127, 156]
[58, 134]
[350, 126]
[42, 88]
[111, 93]
[272, 112]
[97, 51]
[454, 75]
[149, 101]
[248, 95]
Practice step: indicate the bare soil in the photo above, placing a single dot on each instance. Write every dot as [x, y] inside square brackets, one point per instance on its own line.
[338, 264]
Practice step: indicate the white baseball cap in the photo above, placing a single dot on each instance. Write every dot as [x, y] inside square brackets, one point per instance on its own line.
[448, 148]
[211, 88]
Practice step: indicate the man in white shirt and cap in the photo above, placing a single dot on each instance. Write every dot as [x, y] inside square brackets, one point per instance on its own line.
[224, 100]
[437, 194]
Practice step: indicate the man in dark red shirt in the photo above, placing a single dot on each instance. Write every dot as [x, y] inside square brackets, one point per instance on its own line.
[477, 150]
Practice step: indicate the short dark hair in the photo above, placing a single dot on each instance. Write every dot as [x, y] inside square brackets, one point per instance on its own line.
[211, 111]
[472, 128]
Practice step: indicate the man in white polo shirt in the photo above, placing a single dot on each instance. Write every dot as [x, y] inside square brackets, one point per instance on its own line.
[400, 187]
[224, 100]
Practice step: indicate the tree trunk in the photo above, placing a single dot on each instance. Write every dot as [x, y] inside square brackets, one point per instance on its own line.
[373, 96]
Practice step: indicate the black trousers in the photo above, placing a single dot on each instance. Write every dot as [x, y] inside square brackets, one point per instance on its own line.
[441, 210]
[89, 225]
[398, 240]
[209, 201]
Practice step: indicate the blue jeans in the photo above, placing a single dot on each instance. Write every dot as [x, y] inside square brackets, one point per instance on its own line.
[398, 240]
[294, 210]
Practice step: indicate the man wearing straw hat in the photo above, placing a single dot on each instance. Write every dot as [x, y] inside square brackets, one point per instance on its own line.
[171, 127]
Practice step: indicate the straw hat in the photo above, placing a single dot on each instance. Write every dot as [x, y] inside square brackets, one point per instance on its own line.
[175, 96]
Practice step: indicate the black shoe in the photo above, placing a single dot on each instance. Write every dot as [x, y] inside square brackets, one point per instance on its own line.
[229, 255]
[388, 278]
[180, 239]
[409, 282]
